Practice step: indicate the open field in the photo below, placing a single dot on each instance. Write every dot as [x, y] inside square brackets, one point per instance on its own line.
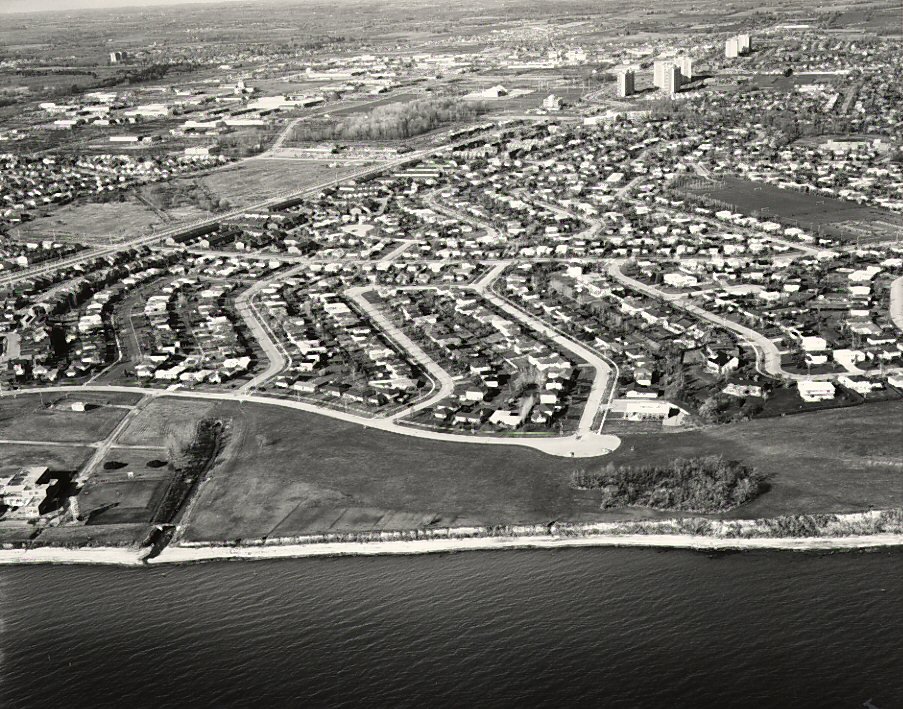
[288, 472]
[258, 179]
[90, 221]
[126, 487]
[163, 419]
[93, 535]
[285, 473]
[63, 458]
[836, 217]
[112, 498]
[25, 418]
[844, 460]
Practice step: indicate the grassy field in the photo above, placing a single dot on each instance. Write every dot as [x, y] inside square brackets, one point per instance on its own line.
[286, 473]
[92, 222]
[811, 211]
[93, 535]
[162, 419]
[62, 458]
[112, 498]
[843, 460]
[26, 418]
[255, 180]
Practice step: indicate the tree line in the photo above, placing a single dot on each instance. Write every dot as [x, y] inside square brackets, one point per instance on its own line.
[394, 121]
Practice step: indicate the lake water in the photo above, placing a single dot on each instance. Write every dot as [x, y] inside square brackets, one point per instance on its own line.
[588, 627]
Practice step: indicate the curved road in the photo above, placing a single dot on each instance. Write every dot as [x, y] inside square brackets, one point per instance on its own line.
[596, 397]
[412, 349]
[896, 302]
[768, 357]
[588, 446]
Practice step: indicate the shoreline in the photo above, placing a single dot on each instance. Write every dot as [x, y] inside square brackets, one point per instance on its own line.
[174, 555]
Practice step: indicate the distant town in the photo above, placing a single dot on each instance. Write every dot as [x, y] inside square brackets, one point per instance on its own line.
[550, 237]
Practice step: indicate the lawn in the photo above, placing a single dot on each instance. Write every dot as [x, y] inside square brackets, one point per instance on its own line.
[286, 472]
[93, 535]
[117, 500]
[842, 460]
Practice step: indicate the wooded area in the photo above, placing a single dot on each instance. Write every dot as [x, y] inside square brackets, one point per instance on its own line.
[394, 121]
[704, 484]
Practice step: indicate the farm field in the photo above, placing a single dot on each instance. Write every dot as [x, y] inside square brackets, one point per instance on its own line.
[836, 217]
[285, 473]
[368, 104]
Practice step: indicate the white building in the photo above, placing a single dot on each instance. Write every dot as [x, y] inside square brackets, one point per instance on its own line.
[659, 67]
[22, 491]
[552, 103]
[671, 81]
[731, 48]
[626, 83]
[685, 64]
[813, 343]
[812, 392]
[737, 46]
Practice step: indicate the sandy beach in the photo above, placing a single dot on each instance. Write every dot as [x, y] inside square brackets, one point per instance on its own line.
[180, 555]
[176, 554]
[117, 556]
[837, 534]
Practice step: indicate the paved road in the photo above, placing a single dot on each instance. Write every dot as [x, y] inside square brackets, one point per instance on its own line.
[768, 357]
[430, 201]
[158, 236]
[60, 444]
[103, 447]
[896, 302]
[446, 386]
[566, 446]
[603, 369]
[397, 251]
[245, 307]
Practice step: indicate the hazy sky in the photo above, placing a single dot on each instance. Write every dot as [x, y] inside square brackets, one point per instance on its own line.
[44, 5]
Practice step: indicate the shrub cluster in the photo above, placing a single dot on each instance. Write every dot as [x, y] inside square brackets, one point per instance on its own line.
[702, 484]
